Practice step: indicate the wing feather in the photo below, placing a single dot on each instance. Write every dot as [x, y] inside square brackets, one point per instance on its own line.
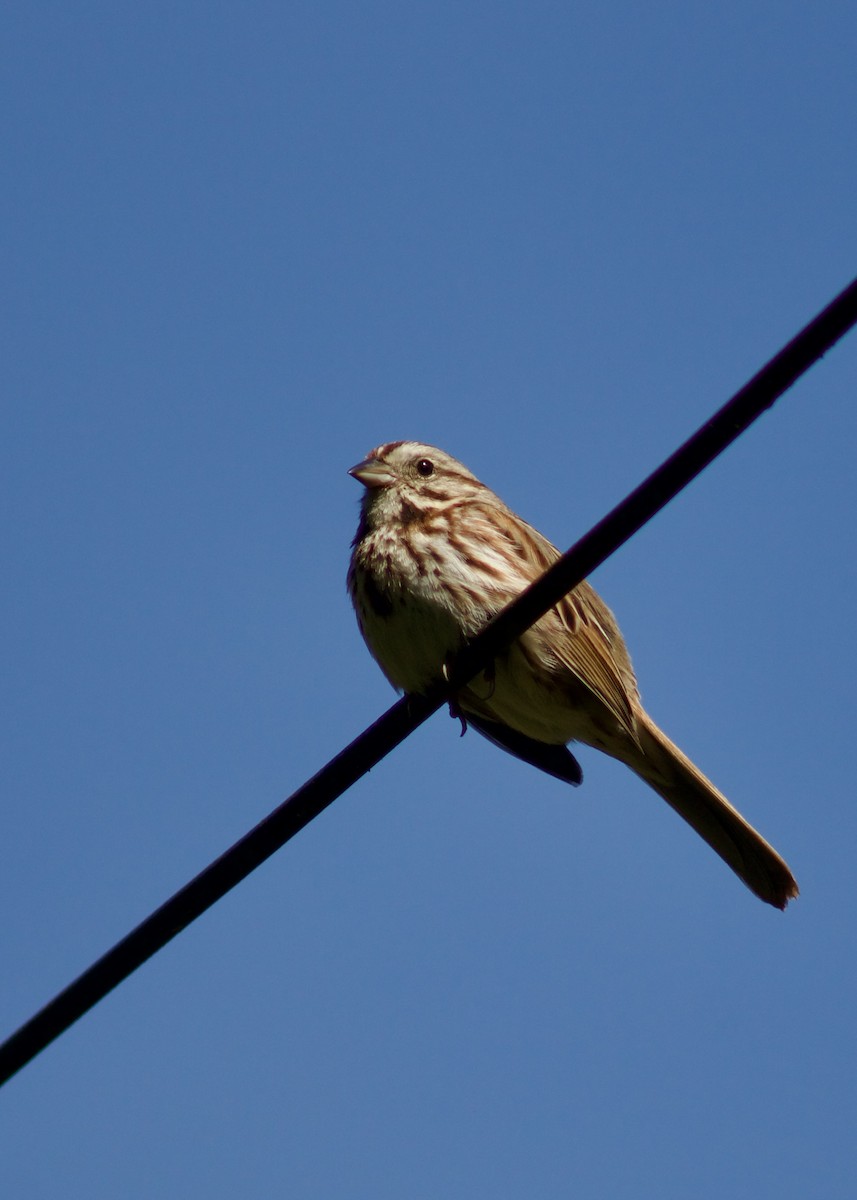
[583, 634]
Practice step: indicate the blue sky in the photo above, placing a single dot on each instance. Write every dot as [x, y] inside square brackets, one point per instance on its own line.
[241, 245]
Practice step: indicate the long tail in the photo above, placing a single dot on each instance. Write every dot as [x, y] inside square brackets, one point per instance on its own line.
[685, 788]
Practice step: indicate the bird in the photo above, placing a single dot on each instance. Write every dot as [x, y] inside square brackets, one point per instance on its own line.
[435, 556]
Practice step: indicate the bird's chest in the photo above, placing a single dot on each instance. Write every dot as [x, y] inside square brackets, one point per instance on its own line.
[408, 632]
[406, 614]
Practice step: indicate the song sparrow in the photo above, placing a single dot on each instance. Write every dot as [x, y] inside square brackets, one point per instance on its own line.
[436, 554]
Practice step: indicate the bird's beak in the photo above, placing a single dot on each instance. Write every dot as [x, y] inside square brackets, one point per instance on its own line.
[372, 473]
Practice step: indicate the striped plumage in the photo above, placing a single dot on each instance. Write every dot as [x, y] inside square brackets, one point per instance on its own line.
[435, 555]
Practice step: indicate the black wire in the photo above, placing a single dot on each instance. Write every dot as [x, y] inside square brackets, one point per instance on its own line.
[400, 720]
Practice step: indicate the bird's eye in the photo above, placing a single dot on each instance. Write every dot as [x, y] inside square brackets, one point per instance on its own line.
[425, 467]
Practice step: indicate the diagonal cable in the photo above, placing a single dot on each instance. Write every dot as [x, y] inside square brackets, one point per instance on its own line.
[407, 714]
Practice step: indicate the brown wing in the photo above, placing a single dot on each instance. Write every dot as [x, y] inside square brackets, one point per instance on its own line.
[588, 642]
[594, 650]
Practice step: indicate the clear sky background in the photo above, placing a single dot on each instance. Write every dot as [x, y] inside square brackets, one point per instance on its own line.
[241, 245]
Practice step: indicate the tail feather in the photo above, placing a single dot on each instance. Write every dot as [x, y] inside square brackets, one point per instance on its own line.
[554, 760]
[674, 777]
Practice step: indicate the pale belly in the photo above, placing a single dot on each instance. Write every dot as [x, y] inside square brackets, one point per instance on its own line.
[414, 641]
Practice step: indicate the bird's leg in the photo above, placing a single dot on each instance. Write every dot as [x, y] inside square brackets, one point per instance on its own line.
[490, 677]
[457, 715]
[454, 707]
